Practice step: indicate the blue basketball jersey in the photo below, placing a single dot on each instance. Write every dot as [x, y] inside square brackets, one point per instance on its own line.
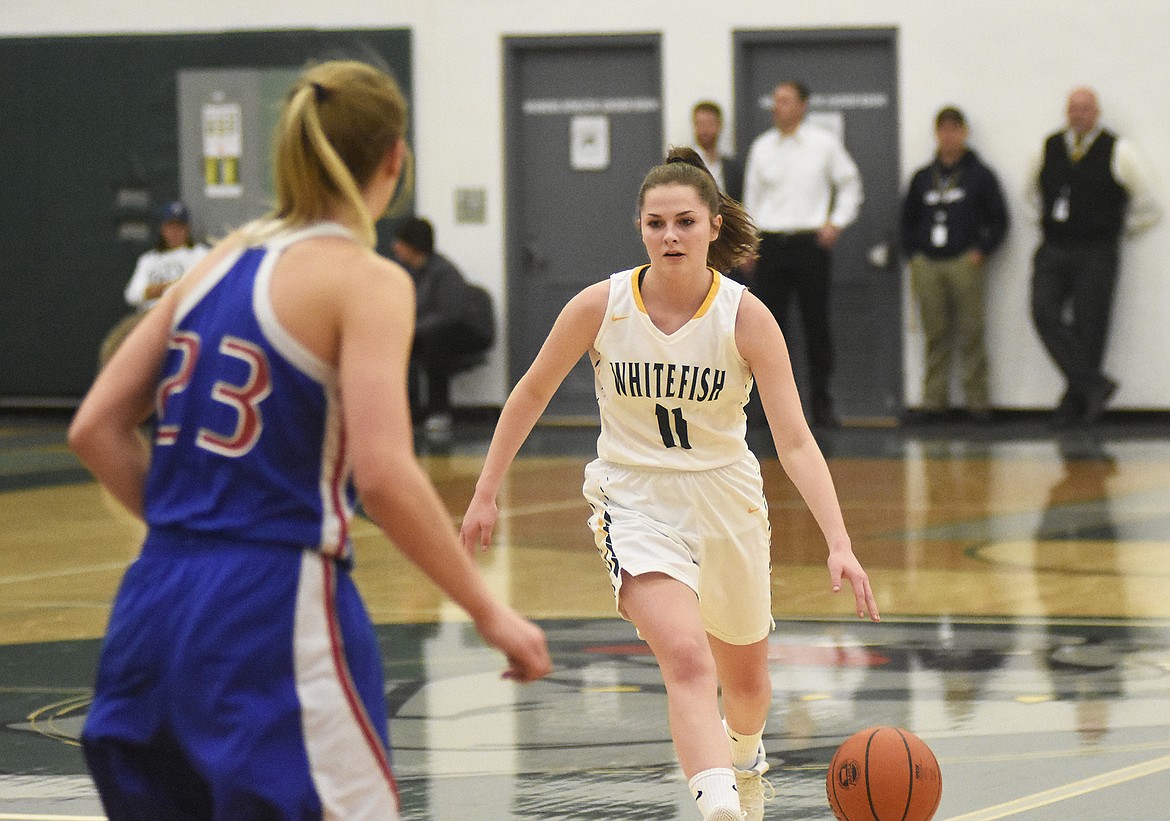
[249, 443]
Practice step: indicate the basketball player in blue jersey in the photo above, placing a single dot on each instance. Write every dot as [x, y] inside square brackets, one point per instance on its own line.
[679, 514]
[240, 676]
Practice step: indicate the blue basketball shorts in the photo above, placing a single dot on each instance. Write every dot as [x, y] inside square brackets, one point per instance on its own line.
[239, 682]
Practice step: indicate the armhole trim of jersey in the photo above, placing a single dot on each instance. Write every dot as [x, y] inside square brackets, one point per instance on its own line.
[278, 336]
[204, 286]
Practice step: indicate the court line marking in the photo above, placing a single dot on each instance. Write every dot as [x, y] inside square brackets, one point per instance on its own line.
[1072, 790]
[57, 574]
[1010, 808]
[44, 719]
[365, 527]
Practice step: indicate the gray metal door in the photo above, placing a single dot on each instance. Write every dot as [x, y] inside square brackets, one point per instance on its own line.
[584, 125]
[852, 76]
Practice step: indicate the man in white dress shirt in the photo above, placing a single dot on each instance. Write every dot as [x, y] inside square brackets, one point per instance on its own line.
[802, 189]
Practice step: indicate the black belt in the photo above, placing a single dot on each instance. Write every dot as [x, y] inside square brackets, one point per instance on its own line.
[788, 236]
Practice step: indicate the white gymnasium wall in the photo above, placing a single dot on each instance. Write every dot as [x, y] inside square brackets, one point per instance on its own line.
[1008, 64]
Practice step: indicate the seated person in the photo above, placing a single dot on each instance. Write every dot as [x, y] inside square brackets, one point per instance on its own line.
[157, 269]
[453, 326]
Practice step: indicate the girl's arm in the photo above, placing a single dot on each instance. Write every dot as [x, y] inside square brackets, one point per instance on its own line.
[375, 324]
[106, 430]
[135, 293]
[572, 335]
[762, 344]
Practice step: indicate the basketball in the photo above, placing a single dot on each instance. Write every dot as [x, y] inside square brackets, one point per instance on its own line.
[884, 774]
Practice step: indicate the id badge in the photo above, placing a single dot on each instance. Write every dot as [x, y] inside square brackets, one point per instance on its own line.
[1060, 209]
[938, 235]
[1060, 206]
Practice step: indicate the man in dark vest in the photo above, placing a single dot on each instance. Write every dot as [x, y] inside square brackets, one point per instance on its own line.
[1091, 187]
[707, 120]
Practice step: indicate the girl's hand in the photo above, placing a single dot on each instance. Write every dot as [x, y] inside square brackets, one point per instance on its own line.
[478, 524]
[844, 565]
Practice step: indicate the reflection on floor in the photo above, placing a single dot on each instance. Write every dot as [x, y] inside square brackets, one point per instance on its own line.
[1023, 577]
[1037, 719]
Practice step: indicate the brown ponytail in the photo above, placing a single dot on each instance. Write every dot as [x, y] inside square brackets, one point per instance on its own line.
[738, 238]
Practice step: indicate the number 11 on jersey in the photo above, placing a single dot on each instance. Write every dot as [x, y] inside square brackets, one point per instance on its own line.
[673, 427]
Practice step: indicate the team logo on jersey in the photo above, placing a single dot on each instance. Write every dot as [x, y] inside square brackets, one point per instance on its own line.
[668, 380]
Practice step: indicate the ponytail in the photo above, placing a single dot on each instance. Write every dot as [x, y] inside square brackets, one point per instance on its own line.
[338, 121]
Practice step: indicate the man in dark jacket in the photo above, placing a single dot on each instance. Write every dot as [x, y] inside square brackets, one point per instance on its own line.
[451, 332]
[953, 218]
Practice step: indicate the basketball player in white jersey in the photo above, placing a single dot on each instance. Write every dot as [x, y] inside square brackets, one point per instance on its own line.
[240, 676]
[679, 514]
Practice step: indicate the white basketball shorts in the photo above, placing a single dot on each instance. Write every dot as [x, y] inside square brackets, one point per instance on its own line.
[708, 529]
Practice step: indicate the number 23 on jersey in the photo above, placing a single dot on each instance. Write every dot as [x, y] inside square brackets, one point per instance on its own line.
[244, 397]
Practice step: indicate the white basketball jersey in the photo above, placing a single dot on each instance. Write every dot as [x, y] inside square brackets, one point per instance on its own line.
[673, 401]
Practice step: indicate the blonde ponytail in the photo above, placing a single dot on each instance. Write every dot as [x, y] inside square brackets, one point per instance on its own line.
[338, 121]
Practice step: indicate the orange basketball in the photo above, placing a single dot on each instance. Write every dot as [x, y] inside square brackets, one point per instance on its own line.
[884, 774]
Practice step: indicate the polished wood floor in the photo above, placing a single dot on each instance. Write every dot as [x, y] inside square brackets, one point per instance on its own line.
[1022, 577]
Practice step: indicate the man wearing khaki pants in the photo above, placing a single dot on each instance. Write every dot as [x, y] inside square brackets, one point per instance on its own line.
[953, 218]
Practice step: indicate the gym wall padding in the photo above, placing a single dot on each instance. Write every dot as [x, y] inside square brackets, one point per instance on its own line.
[89, 131]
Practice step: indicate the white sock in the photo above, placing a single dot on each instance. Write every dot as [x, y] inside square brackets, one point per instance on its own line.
[745, 747]
[714, 788]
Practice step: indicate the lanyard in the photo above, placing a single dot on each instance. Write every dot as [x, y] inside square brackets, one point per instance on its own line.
[944, 184]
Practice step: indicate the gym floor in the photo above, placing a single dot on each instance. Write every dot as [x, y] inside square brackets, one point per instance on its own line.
[1022, 577]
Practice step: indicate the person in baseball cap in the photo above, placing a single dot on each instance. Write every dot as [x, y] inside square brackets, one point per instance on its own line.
[157, 269]
[174, 211]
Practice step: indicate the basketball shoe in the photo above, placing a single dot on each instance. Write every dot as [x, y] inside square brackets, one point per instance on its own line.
[754, 789]
[724, 814]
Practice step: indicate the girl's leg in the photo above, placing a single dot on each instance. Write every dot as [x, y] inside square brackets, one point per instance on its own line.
[747, 697]
[666, 613]
[747, 686]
